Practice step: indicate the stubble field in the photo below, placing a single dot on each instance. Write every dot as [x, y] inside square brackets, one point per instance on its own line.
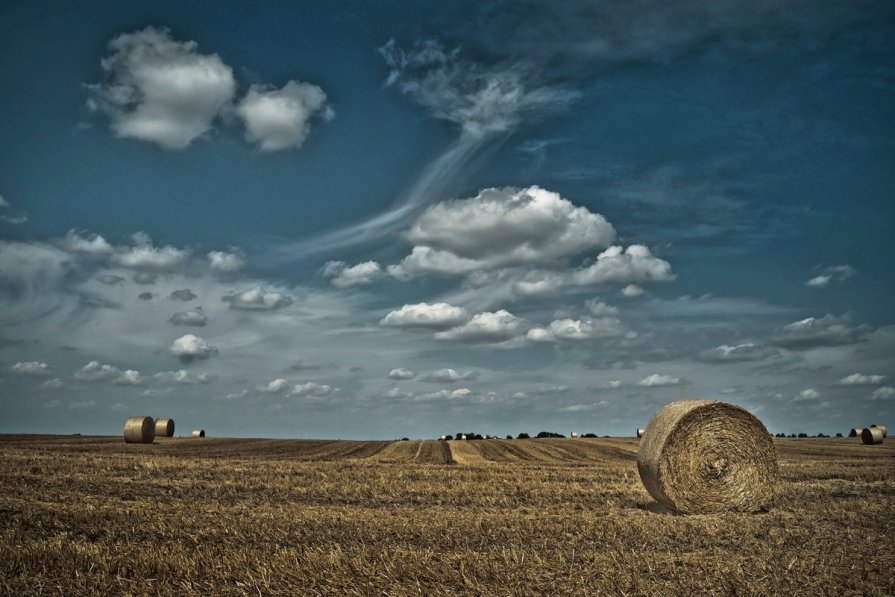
[94, 516]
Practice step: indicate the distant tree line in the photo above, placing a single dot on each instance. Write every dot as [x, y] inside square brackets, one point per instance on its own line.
[523, 435]
[803, 435]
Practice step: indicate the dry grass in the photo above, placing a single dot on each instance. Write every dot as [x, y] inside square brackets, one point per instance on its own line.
[94, 516]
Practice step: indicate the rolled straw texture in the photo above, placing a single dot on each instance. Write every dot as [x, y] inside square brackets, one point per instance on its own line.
[164, 427]
[871, 436]
[139, 430]
[198, 433]
[704, 456]
[855, 432]
[881, 428]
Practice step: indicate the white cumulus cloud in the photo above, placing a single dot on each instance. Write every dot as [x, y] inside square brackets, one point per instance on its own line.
[401, 373]
[807, 394]
[130, 377]
[486, 328]
[275, 386]
[345, 276]
[258, 299]
[277, 119]
[860, 379]
[623, 266]
[449, 376]
[161, 90]
[32, 369]
[226, 264]
[572, 330]
[424, 315]
[883, 393]
[190, 347]
[96, 371]
[311, 389]
[500, 228]
[182, 377]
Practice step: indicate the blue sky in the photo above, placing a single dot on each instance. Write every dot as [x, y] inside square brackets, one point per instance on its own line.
[407, 219]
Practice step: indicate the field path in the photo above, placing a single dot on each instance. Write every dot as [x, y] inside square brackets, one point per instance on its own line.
[467, 452]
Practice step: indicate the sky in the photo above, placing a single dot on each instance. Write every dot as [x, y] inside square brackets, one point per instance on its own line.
[378, 220]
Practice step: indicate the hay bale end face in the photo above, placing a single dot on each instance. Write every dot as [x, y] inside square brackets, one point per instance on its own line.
[855, 432]
[640, 431]
[139, 430]
[704, 456]
[164, 427]
[872, 436]
[198, 433]
[881, 428]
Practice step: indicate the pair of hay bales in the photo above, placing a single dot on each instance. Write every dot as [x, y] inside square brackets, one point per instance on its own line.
[144, 430]
[704, 456]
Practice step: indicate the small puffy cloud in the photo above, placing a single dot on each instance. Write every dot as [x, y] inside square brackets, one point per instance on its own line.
[623, 266]
[424, 315]
[277, 119]
[190, 347]
[812, 332]
[655, 380]
[486, 328]
[538, 284]
[224, 264]
[501, 228]
[110, 279]
[184, 294]
[90, 245]
[746, 351]
[446, 394]
[161, 90]
[95, 371]
[311, 389]
[859, 379]
[151, 259]
[573, 330]
[632, 290]
[807, 394]
[598, 308]
[52, 384]
[191, 317]
[257, 299]
[32, 369]
[832, 274]
[401, 373]
[145, 296]
[883, 393]
[275, 386]
[130, 377]
[449, 376]
[344, 276]
[182, 377]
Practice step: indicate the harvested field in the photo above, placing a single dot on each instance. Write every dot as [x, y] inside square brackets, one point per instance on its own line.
[95, 516]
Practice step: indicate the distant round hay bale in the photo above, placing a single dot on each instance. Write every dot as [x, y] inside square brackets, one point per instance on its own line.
[881, 428]
[640, 431]
[139, 430]
[198, 433]
[855, 432]
[164, 427]
[872, 435]
[702, 456]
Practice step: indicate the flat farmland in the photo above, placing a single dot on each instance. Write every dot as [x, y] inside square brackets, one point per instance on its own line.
[95, 516]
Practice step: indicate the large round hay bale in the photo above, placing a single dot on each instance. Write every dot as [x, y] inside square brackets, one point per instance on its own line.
[139, 430]
[872, 435]
[640, 431]
[855, 432]
[164, 427]
[881, 428]
[702, 456]
[198, 433]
